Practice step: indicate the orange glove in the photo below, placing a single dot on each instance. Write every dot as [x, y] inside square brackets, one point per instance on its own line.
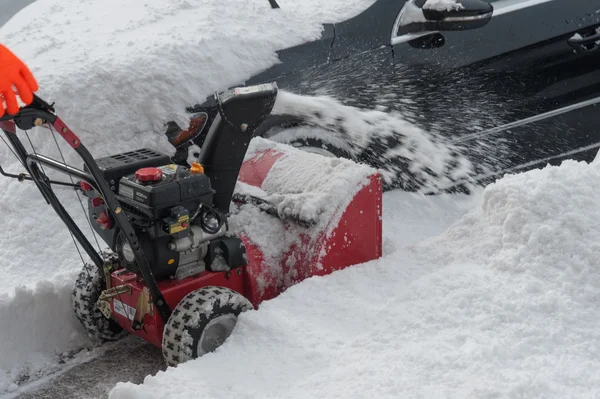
[14, 72]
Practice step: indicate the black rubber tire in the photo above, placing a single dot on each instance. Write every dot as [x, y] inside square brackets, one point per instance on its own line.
[337, 152]
[190, 318]
[88, 287]
[282, 122]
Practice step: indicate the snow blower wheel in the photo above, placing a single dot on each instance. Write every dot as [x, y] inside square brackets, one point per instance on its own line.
[88, 287]
[201, 322]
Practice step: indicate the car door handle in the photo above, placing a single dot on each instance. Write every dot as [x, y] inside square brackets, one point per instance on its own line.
[586, 43]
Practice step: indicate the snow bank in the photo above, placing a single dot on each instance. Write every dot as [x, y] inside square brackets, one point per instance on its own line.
[544, 221]
[38, 333]
[502, 304]
[120, 71]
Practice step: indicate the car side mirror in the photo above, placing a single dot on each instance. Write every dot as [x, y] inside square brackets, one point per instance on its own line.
[443, 15]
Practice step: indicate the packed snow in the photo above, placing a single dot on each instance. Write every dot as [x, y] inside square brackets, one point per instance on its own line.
[38, 331]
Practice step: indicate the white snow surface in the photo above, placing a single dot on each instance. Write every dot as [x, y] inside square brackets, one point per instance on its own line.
[38, 331]
[504, 303]
[95, 58]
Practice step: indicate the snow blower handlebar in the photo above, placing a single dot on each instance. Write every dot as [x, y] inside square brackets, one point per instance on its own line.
[40, 113]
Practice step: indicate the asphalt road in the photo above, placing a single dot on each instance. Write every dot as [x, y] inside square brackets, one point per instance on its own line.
[129, 360]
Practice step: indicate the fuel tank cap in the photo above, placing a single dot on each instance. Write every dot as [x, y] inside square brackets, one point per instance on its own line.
[148, 175]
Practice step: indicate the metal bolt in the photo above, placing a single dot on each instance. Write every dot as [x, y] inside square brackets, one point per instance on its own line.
[118, 210]
[38, 122]
[244, 127]
[64, 130]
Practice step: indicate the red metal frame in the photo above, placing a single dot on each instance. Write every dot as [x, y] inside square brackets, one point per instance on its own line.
[9, 126]
[66, 133]
[173, 292]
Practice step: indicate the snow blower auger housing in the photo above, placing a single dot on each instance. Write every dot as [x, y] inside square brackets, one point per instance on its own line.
[191, 246]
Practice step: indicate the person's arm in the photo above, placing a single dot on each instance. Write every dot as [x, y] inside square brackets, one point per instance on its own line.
[14, 74]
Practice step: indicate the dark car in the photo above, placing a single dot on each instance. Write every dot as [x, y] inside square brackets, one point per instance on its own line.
[513, 83]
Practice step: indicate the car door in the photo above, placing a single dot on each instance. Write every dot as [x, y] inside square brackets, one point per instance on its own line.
[519, 91]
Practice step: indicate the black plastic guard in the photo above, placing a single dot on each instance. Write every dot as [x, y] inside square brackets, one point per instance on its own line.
[232, 250]
[241, 111]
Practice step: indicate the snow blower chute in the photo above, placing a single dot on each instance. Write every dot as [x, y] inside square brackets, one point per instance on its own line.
[192, 245]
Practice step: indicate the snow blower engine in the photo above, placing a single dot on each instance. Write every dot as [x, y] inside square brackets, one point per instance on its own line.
[172, 211]
[176, 274]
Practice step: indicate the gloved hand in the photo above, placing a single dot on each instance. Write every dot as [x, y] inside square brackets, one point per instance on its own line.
[14, 72]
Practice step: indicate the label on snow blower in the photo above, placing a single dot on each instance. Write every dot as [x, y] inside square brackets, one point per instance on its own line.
[123, 308]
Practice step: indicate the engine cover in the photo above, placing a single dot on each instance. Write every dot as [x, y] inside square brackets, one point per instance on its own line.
[177, 185]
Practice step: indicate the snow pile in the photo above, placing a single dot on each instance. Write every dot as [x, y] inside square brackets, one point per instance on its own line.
[544, 221]
[117, 71]
[502, 304]
[415, 158]
[39, 332]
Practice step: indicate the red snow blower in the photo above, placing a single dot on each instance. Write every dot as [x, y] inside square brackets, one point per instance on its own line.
[191, 246]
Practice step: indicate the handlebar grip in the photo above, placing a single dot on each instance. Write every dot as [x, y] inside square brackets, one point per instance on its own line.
[37, 107]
